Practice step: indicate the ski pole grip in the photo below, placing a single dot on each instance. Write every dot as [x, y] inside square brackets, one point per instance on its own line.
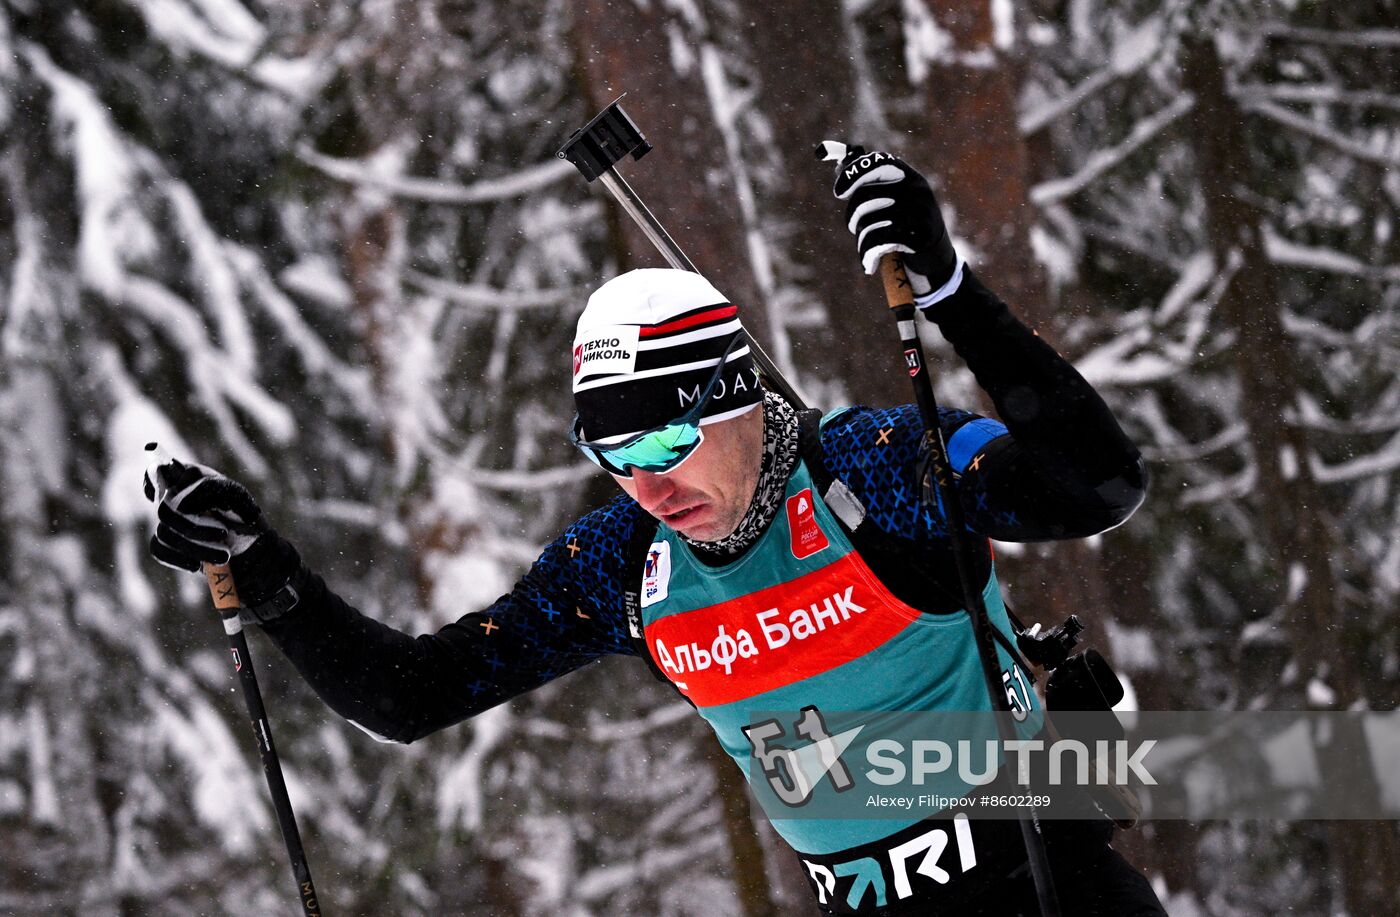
[221, 587]
[898, 291]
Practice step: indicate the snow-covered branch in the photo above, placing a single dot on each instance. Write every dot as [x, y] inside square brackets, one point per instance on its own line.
[1234, 487]
[601, 731]
[1191, 283]
[210, 266]
[1130, 239]
[210, 377]
[315, 356]
[435, 190]
[479, 296]
[1232, 435]
[1354, 38]
[1316, 93]
[1285, 252]
[1313, 417]
[1143, 352]
[1324, 133]
[1127, 360]
[1384, 460]
[233, 39]
[363, 516]
[1102, 161]
[605, 882]
[541, 479]
[1128, 57]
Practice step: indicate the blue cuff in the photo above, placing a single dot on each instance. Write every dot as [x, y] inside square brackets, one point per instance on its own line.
[969, 439]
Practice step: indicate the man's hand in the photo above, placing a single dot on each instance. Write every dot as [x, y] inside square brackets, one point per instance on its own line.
[891, 208]
[201, 515]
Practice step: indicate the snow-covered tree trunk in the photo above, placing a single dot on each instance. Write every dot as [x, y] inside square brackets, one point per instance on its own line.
[1298, 532]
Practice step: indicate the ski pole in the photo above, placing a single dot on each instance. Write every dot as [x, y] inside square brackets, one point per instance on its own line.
[598, 146]
[899, 296]
[225, 593]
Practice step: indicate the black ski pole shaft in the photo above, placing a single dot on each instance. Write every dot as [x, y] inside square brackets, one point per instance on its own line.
[599, 145]
[225, 594]
[899, 297]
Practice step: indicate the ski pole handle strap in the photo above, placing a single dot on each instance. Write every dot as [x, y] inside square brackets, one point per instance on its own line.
[898, 291]
[221, 586]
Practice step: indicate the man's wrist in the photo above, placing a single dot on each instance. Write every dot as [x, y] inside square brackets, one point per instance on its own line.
[927, 300]
[264, 574]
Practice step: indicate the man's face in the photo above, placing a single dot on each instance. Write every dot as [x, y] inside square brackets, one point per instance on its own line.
[706, 497]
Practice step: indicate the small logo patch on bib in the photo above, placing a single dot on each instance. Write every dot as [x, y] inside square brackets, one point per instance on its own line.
[807, 536]
[656, 578]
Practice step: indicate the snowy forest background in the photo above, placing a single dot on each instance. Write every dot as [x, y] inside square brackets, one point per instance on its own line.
[325, 247]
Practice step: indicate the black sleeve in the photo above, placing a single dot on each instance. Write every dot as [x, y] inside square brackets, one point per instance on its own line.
[565, 612]
[1065, 468]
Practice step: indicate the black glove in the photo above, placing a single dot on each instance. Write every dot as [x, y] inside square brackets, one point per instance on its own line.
[891, 208]
[201, 515]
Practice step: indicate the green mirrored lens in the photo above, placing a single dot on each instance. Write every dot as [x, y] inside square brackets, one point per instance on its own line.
[658, 448]
[663, 448]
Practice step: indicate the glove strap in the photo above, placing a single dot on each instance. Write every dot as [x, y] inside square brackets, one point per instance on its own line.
[274, 607]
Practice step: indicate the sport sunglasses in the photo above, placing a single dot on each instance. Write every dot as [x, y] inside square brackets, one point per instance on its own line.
[660, 449]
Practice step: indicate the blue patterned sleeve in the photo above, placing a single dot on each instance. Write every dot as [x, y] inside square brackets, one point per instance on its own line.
[877, 452]
[1005, 492]
[565, 612]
